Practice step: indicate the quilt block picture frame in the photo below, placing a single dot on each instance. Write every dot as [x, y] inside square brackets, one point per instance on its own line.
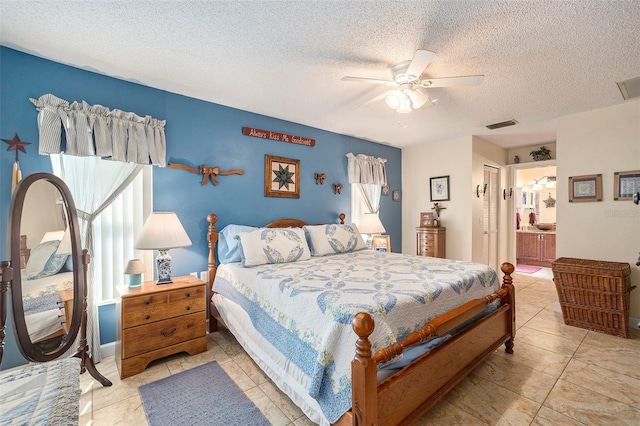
[625, 184]
[586, 188]
[281, 177]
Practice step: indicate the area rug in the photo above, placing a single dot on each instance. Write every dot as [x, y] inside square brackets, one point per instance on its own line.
[204, 395]
[526, 269]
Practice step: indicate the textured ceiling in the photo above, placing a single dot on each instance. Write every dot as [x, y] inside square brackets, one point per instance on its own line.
[541, 59]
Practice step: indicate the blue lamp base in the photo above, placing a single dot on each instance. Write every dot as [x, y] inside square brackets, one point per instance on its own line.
[163, 263]
[135, 280]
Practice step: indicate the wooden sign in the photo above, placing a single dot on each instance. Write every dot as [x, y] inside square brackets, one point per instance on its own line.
[277, 136]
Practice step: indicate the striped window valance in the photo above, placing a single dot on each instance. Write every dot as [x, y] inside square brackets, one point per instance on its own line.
[366, 169]
[94, 130]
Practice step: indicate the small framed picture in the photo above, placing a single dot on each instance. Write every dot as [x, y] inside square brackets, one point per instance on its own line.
[584, 189]
[439, 188]
[281, 177]
[396, 195]
[385, 189]
[625, 184]
[381, 243]
[426, 220]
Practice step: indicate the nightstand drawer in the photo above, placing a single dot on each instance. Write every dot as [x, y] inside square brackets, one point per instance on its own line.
[160, 334]
[159, 306]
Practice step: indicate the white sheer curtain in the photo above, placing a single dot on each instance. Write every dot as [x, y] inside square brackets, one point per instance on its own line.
[367, 175]
[94, 184]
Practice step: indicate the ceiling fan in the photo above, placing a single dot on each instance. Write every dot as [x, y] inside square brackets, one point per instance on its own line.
[409, 92]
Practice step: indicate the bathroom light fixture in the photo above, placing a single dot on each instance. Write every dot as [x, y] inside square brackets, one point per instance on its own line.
[551, 182]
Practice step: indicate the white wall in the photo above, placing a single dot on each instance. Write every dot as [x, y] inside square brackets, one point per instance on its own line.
[600, 141]
[451, 158]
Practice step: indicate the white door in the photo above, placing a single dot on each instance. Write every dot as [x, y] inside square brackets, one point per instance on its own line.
[490, 217]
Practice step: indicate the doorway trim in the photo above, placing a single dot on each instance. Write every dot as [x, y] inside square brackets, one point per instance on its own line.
[511, 217]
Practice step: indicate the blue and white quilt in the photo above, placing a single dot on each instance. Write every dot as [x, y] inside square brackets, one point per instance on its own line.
[305, 308]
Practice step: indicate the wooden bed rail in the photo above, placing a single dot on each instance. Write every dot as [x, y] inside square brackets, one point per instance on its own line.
[365, 410]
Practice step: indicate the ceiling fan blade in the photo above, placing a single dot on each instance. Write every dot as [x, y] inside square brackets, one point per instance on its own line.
[374, 100]
[419, 63]
[467, 80]
[371, 80]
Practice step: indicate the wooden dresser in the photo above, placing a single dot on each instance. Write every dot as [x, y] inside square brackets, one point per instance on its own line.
[154, 321]
[431, 241]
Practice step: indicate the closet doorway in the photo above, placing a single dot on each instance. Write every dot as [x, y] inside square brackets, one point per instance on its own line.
[490, 214]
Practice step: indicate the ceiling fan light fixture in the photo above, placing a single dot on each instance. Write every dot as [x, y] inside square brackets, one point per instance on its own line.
[418, 99]
[405, 106]
[394, 99]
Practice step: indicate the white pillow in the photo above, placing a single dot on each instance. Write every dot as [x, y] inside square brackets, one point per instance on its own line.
[52, 236]
[273, 245]
[332, 239]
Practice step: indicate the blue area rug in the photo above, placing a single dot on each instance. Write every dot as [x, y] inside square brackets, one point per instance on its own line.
[203, 395]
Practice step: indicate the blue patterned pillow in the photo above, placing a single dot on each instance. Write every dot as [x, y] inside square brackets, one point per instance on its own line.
[333, 239]
[275, 245]
[44, 261]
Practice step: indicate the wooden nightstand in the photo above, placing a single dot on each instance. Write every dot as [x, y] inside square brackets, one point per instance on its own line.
[154, 321]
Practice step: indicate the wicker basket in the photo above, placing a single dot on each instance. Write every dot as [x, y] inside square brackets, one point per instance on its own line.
[594, 294]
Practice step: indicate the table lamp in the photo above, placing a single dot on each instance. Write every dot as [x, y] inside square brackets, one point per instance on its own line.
[135, 269]
[163, 231]
[370, 224]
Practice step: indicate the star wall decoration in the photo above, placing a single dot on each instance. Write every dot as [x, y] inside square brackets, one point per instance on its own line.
[284, 177]
[16, 145]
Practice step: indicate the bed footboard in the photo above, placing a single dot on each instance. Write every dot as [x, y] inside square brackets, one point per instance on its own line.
[405, 396]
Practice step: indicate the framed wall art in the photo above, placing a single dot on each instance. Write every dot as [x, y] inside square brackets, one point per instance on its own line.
[587, 188]
[426, 220]
[625, 184]
[439, 188]
[281, 177]
[381, 243]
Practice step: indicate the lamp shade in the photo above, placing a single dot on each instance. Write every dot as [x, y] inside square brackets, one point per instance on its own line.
[134, 266]
[162, 231]
[370, 224]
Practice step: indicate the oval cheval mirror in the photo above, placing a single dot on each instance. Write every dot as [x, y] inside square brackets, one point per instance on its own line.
[48, 288]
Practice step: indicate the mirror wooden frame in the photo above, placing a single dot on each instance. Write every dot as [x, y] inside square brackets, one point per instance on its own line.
[16, 210]
[80, 259]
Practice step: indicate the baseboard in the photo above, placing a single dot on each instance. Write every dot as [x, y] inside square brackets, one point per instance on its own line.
[108, 349]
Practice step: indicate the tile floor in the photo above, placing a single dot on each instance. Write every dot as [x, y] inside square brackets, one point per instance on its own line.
[558, 375]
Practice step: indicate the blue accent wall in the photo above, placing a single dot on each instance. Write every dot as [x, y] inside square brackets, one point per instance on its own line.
[197, 132]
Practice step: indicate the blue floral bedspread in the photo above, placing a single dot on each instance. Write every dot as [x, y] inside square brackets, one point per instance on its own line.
[305, 308]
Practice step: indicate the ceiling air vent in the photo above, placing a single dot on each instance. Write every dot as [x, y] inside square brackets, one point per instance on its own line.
[502, 124]
[630, 88]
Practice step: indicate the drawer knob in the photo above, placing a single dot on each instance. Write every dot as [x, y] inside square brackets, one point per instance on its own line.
[188, 294]
[146, 302]
[147, 317]
[188, 308]
[169, 334]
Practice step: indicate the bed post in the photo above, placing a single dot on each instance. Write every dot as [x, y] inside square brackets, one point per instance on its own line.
[363, 374]
[212, 239]
[510, 298]
[6, 274]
